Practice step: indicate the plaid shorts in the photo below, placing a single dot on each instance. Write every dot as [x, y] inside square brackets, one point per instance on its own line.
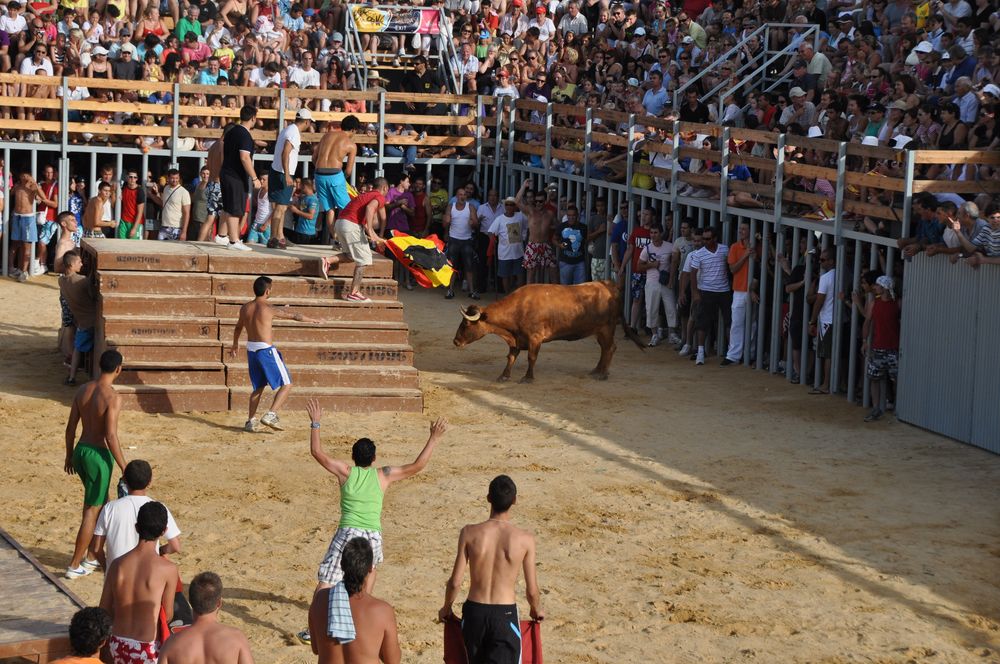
[329, 570]
[882, 363]
[638, 285]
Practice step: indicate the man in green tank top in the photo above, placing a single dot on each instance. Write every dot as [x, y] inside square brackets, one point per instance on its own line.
[362, 487]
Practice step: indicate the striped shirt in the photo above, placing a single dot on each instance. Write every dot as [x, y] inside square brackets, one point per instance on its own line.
[713, 270]
[988, 240]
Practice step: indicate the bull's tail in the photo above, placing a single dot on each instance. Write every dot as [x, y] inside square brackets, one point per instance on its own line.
[616, 299]
[630, 333]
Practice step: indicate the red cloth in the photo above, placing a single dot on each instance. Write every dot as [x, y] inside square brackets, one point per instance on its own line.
[454, 646]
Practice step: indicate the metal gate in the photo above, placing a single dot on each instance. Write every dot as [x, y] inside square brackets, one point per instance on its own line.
[949, 362]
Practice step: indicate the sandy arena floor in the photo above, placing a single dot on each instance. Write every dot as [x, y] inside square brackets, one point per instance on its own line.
[682, 514]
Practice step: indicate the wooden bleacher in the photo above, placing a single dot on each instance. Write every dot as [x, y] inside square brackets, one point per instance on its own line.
[171, 309]
[35, 608]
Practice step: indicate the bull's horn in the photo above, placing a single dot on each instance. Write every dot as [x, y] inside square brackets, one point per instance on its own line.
[472, 318]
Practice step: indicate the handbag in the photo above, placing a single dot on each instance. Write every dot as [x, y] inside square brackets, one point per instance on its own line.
[664, 277]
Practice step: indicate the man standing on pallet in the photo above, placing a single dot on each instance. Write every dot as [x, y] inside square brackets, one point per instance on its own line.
[264, 362]
[334, 148]
[237, 167]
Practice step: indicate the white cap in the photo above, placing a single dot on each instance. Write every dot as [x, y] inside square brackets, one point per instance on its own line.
[900, 141]
[946, 55]
[99, 50]
[688, 40]
[640, 31]
[633, 82]
[303, 114]
[899, 105]
[912, 59]
[337, 37]
[128, 46]
[845, 16]
[815, 132]
[796, 92]
[870, 140]
[924, 47]
[992, 89]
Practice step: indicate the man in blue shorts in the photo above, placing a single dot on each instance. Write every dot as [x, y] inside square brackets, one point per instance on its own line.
[281, 176]
[331, 173]
[266, 366]
[80, 296]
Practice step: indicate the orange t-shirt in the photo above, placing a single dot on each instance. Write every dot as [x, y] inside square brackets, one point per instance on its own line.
[736, 252]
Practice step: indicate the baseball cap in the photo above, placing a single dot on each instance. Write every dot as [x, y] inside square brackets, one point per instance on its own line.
[509, 199]
[877, 108]
[899, 105]
[924, 47]
[871, 141]
[336, 37]
[801, 63]
[912, 59]
[484, 34]
[845, 16]
[688, 40]
[540, 9]
[128, 47]
[633, 82]
[992, 89]
[796, 92]
[899, 142]
[640, 31]
[100, 50]
[303, 114]
[815, 132]
[518, 3]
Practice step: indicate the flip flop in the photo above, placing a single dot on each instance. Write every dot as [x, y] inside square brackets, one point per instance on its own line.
[816, 390]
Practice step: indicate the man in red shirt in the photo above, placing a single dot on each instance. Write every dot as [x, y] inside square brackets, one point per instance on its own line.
[355, 230]
[740, 255]
[882, 323]
[45, 216]
[133, 208]
[637, 239]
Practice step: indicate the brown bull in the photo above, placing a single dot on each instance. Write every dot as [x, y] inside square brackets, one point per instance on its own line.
[537, 313]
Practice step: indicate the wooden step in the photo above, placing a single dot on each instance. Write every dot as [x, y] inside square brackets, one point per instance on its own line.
[159, 350]
[195, 306]
[154, 283]
[328, 309]
[174, 398]
[241, 285]
[365, 354]
[299, 261]
[172, 373]
[331, 332]
[157, 327]
[145, 255]
[354, 377]
[351, 400]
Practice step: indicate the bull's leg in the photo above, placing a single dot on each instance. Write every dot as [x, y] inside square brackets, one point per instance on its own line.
[606, 338]
[511, 356]
[533, 348]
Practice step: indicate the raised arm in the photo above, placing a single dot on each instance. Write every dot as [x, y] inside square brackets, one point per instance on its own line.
[519, 198]
[392, 474]
[340, 469]
[455, 580]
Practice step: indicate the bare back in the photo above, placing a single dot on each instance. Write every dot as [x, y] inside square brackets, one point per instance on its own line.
[376, 638]
[92, 214]
[333, 149]
[207, 642]
[256, 316]
[98, 405]
[496, 551]
[136, 586]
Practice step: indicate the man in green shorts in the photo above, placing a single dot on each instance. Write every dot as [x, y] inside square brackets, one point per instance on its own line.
[362, 487]
[97, 405]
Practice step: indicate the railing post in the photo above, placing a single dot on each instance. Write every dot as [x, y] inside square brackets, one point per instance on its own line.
[724, 182]
[379, 172]
[501, 107]
[631, 209]
[282, 100]
[64, 120]
[6, 211]
[548, 137]
[480, 112]
[778, 291]
[175, 126]
[511, 137]
[674, 170]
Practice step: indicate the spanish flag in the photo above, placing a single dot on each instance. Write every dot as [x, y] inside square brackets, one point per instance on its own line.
[351, 191]
[424, 257]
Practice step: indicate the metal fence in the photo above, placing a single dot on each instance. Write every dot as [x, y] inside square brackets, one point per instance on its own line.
[949, 360]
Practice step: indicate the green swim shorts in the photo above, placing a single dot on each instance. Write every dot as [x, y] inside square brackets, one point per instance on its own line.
[93, 465]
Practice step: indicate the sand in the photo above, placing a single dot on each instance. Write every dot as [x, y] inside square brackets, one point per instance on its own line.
[683, 514]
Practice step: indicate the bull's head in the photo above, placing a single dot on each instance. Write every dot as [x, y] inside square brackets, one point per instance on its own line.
[472, 327]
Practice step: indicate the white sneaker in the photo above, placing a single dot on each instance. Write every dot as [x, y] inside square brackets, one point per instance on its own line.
[701, 193]
[38, 270]
[22, 277]
[92, 565]
[673, 339]
[251, 425]
[685, 351]
[78, 572]
[700, 358]
[239, 246]
[272, 420]
[655, 340]
[224, 241]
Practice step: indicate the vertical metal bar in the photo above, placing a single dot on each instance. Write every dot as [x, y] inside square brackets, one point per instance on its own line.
[511, 137]
[675, 207]
[380, 152]
[479, 140]
[548, 137]
[118, 174]
[765, 255]
[807, 311]
[64, 119]
[838, 229]
[34, 174]
[631, 210]
[724, 179]
[852, 364]
[7, 210]
[790, 334]
[866, 385]
[176, 126]
[779, 277]
[498, 136]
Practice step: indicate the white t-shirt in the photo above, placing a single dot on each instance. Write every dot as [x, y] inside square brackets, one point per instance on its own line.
[827, 286]
[13, 26]
[174, 201]
[661, 254]
[510, 233]
[75, 94]
[291, 135]
[713, 270]
[487, 214]
[304, 79]
[29, 67]
[460, 229]
[261, 79]
[117, 523]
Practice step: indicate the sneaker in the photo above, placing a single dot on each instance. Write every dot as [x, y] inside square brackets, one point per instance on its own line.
[700, 358]
[474, 295]
[22, 277]
[92, 565]
[450, 294]
[701, 193]
[219, 239]
[305, 637]
[358, 297]
[685, 351]
[251, 425]
[72, 573]
[38, 270]
[673, 339]
[874, 415]
[654, 341]
[15, 273]
[726, 362]
[272, 243]
[272, 420]
[239, 246]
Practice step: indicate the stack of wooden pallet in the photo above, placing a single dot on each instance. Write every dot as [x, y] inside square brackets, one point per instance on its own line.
[171, 309]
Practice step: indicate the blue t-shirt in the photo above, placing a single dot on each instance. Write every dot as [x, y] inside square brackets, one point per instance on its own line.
[619, 236]
[307, 225]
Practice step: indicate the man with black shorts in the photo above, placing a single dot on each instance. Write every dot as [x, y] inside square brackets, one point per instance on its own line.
[237, 166]
[495, 552]
[281, 176]
[710, 290]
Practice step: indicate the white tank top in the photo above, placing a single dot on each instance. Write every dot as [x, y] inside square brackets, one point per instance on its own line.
[460, 228]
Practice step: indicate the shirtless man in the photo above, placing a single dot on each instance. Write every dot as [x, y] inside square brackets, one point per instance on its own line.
[24, 230]
[265, 363]
[136, 586]
[78, 292]
[213, 190]
[98, 213]
[331, 174]
[69, 238]
[495, 551]
[362, 488]
[97, 404]
[206, 641]
[375, 635]
[539, 256]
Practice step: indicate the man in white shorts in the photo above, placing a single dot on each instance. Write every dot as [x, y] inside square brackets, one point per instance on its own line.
[355, 230]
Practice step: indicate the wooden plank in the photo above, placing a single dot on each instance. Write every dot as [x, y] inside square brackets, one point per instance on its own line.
[117, 129]
[30, 125]
[174, 398]
[872, 151]
[425, 98]
[755, 135]
[30, 102]
[956, 157]
[333, 310]
[138, 349]
[696, 128]
[575, 156]
[237, 285]
[160, 327]
[700, 153]
[820, 144]
[146, 255]
[957, 186]
[438, 120]
[530, 105]
[351, 400]
[429, 141]
[332, 333]
[311, 375]
[115, 304]
[114, 282]
[529, 149]
[170, 376]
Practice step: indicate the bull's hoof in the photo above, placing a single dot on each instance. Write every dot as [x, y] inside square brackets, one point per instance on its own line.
[527, 379]
[503, 379]
[599, 375]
